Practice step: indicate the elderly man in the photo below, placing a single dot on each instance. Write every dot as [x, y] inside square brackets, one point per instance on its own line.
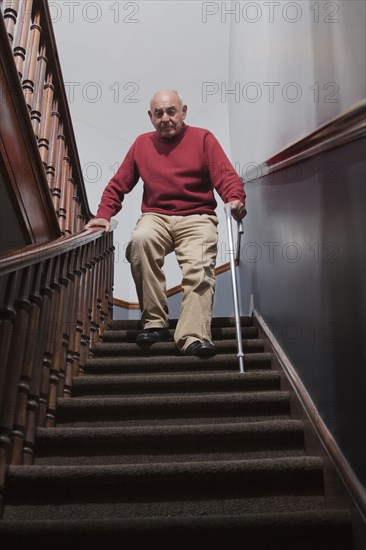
[180, 166]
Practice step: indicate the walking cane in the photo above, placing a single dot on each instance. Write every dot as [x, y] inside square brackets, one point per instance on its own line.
[240, 353]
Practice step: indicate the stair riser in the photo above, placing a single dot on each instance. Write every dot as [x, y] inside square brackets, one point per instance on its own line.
[217, 322]
[217, 334]
[129, 449]
[125, 350]
[123, 459]
[183, 488]
[105, 389]
[127, 366]
[239, 411]
[115, 506]
[217, 533]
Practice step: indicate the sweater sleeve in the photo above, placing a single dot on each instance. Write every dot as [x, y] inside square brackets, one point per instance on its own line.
[222, 173]
[121, 183]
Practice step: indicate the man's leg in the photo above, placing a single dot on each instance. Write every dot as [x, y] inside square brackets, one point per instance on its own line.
[195, 240]
[150, 242]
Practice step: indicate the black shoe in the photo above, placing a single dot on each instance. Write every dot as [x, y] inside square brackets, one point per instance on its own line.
[201, 349]
[152, 335]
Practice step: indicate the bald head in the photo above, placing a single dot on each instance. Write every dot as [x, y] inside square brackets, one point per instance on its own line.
[167, 112]
[168, 95]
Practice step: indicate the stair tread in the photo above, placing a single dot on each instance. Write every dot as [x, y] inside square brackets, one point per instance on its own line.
[182, 359]
[200, 430]
[178, 377]
[125, 348]
[276, 519]
[177, 399]
[100, 474]
[192, 380]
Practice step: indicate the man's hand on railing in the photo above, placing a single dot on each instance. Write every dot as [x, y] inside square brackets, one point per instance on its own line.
[238, 210]
[99, 222]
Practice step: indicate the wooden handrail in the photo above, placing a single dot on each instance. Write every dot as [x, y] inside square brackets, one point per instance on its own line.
[28, 256]
[33, 46]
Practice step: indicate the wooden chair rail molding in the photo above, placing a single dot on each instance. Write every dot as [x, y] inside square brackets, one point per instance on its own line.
[33, 46]
[55, 303]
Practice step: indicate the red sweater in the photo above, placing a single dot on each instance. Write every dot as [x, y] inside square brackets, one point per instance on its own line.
[179, 175]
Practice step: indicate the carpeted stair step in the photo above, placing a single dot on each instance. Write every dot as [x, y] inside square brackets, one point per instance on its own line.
[167, 363]
[318, 530]
[169, 443]
[198, 408]
[188, 383]
[108, 349]
[156, 450]
[174, 488]
[218, 333]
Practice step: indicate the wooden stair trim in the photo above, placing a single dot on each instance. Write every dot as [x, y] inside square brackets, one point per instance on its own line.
[342, 466]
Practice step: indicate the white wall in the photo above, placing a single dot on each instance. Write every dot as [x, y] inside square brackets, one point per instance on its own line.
[204, 49]
[306, 63]
[168, 45]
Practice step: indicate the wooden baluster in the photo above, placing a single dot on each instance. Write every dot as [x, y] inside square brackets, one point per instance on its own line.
[38, 97]
[111, 274]
[31, 61]
[109, 284]
[80, 318]
[60, 154]
[89, 301]
[52, 153]
[69, 202]
[33, 342]
[81, 219]
[15, 359]
[99, 292]
[7, 320]
[68, 329]
[60, 353]
[93, 300]
[64, 191]
[30, 344]
[76, 211]
[85, 288]
[103, 285]
[78, 324]
[10, 17]
[22, 32]
[52, 345]
[107, 292]
[45, 129]
[42, 376]
[46, 115]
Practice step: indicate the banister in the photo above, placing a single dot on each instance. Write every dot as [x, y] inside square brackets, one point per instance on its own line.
[32, 253]
[55, 304]
[29, 26]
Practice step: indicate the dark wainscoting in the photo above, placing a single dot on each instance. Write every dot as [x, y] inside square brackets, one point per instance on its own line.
[303, 265]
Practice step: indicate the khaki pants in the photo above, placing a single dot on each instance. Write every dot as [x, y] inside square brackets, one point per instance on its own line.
[194, 240]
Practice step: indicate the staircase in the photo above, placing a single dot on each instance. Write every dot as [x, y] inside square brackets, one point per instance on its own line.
[158, 450]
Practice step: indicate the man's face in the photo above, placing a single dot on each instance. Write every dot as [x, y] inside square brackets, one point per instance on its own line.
[167, 114]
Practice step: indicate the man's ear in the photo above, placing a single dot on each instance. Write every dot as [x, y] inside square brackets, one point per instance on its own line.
[184, 109]
[150, 114]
